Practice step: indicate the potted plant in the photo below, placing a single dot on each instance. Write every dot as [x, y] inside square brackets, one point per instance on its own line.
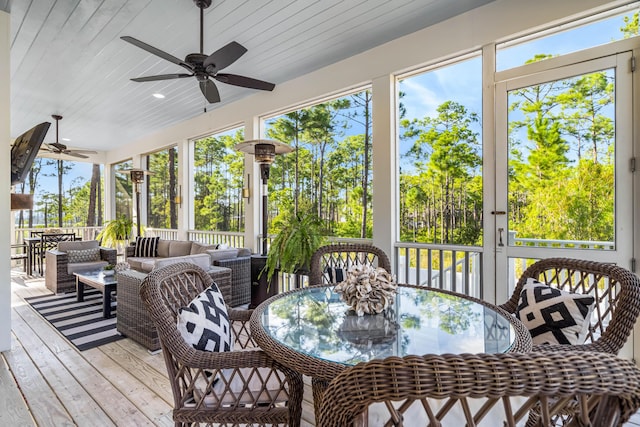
[116, 233]
[291, 250]
[109, 270]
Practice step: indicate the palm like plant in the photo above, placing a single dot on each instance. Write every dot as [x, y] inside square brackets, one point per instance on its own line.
[116, 232]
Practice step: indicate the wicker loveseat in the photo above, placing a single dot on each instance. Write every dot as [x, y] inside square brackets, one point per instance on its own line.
[59, 272]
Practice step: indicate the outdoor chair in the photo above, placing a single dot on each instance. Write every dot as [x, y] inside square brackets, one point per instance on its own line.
[485, 390]
[49, 241]
[330, 263]
[240, 386]
[615, 289]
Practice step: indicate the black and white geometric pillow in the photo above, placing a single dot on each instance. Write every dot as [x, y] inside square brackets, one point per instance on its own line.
[554, 316]
[204, 324]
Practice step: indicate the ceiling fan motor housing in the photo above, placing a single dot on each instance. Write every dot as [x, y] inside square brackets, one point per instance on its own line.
[202, 4]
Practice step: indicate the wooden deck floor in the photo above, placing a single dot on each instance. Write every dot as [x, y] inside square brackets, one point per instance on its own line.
[46, 381]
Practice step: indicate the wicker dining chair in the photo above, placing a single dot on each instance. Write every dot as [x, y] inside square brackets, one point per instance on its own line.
[617, 299]
[234, 387]
[484, 390]
[331, 260]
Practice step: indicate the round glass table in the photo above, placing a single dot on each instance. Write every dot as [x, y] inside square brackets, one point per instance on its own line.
[314, 332]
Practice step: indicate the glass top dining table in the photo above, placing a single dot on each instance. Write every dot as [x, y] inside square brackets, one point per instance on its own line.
[314, 332]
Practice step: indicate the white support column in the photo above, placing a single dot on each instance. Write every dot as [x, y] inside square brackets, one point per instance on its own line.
[252, 216]
[109, 195]
[184, 190]
[385, 181]
[490, 277]
[5, 185]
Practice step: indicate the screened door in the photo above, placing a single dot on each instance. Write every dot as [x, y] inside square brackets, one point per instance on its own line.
[563, 167]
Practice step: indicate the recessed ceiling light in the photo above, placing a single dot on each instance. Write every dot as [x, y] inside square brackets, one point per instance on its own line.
[158, 95]
[65, 139]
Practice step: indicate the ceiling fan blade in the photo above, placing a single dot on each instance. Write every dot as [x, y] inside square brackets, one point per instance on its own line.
[224, 57]
[161, 77]
[210, 91]
[157, 52]
[74, 153]
[83, 151]
[236, 80]
[57, 146]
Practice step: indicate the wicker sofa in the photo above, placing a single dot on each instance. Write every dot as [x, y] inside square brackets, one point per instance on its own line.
[237, 259]
[59, 271]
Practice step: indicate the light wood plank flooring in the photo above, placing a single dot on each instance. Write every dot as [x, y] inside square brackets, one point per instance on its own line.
[46, 381]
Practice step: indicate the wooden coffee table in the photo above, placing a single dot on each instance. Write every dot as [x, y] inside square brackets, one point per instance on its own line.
[97, 280]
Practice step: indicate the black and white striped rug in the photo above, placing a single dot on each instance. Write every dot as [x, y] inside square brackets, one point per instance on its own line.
[80, 322]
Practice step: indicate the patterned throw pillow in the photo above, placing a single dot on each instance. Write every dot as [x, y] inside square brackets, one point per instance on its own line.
[205, 324]
[554, 316]
[146, 247]
[83, 255]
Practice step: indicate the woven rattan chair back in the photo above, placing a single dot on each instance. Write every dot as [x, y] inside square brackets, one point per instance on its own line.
[484, 390]
[244, 386]
[339, 257]
[616, 291]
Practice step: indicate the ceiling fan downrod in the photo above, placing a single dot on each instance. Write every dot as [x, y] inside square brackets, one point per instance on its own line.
[202, 5]
[57, 117]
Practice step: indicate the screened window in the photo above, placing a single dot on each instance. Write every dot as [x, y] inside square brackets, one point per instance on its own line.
[161, 184]
[65, 193]
[440, 154]
[578, 35]
[123, 189]
[218, 203]
[329, 174]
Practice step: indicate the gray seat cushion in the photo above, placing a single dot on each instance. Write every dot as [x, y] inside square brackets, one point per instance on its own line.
[86, 266]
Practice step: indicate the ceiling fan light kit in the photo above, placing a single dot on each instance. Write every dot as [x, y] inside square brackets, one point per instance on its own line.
[203, 67]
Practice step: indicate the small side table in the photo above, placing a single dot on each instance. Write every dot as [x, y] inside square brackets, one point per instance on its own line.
[98, 280]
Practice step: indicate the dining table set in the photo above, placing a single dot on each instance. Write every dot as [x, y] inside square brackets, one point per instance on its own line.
[385, 353]
[313, 331]
[38, 243]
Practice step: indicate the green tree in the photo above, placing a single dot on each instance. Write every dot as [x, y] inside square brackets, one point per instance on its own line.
[446, 149]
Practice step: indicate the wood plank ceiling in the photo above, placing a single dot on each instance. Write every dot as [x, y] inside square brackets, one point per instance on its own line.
[67, 57]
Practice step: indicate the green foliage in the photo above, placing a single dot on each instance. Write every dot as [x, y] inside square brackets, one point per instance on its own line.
[293, 246]
[116, 231]
[161, 185]
[218, 177]
[630, 28]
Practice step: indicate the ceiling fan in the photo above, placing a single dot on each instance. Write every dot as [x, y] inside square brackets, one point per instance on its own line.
[204, 67]
[59, 148]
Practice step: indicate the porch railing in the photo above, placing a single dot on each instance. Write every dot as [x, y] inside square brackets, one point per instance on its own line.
[85, 233]
[450, 267]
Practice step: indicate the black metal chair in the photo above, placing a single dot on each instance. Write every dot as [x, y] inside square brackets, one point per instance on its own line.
[50, 242]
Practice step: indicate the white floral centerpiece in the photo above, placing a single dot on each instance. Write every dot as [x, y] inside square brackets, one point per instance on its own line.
[367, 289]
